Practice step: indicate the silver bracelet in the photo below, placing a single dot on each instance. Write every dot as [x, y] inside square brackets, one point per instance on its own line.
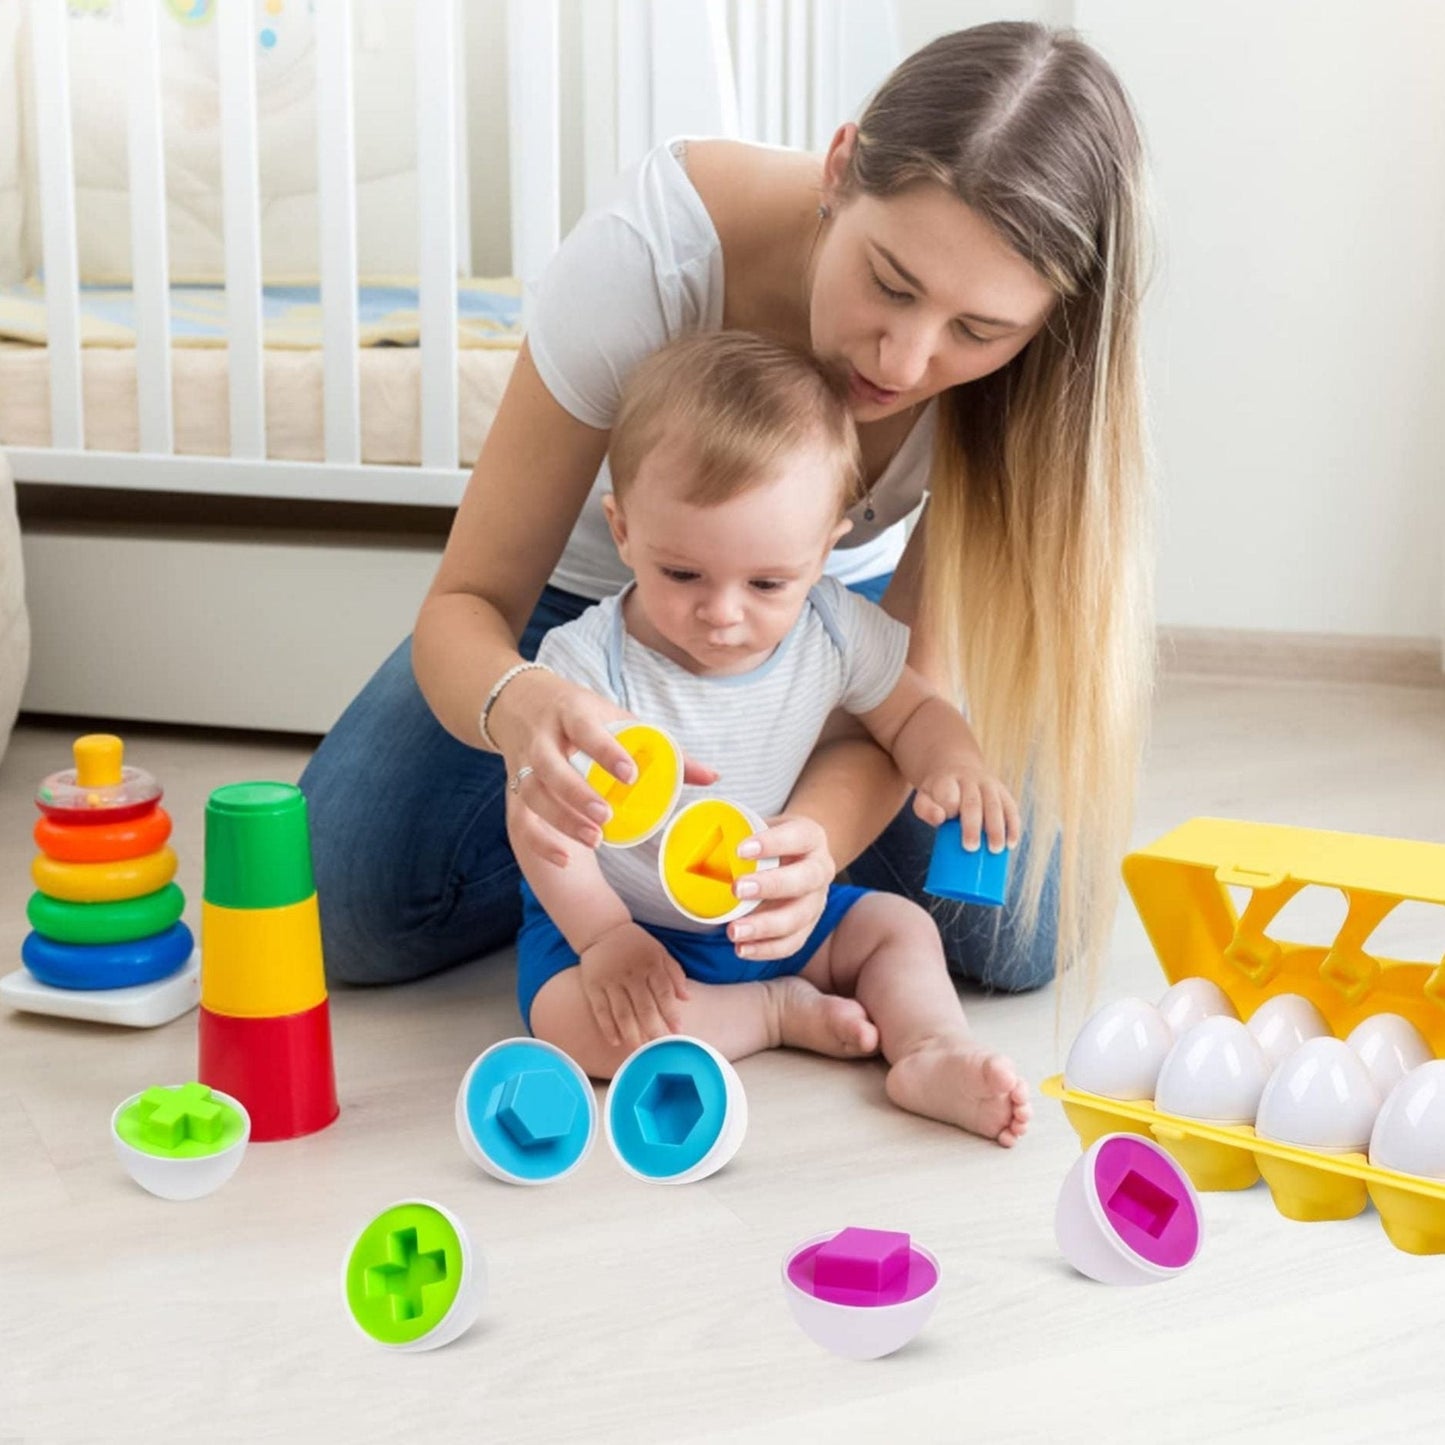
[496, 692]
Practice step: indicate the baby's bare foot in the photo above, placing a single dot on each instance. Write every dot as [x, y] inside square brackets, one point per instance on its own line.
[963, 1083]
[823, 1023]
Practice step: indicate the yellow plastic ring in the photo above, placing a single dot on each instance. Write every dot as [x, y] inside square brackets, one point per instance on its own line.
[104, 882]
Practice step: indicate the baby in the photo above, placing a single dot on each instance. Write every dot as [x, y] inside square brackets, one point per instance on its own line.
[733, 461]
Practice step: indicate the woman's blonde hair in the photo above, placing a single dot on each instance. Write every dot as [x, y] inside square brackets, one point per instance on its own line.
[740, 404]
[1038, 571]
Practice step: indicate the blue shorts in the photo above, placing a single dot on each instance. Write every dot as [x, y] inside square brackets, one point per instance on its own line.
[710, 957]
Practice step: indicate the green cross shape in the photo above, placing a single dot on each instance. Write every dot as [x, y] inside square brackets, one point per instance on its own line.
[406, 1274]
[169, 1117]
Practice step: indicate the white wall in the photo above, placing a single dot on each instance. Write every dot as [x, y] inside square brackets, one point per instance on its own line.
[1295, 335]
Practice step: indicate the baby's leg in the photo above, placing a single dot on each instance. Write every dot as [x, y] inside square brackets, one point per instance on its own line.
[737, 1019]
[886, 953]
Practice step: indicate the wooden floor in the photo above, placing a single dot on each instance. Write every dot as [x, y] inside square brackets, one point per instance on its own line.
[621, 1311]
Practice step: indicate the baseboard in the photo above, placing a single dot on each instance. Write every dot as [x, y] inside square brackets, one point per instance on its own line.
[220, 630]
[1301, 657]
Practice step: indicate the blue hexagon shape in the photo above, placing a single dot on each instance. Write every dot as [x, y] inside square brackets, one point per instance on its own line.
[536, 1108]
[668, 1108]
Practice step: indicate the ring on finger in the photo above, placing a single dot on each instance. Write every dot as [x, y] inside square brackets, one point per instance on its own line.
[514, 784]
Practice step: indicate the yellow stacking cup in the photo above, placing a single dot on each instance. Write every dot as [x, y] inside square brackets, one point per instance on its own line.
[260, 962]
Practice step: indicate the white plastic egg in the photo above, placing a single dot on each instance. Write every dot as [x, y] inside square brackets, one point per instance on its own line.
[1410, 1131]
[1389, 1047]
[1283, 1023]
[1117, 1054]
[1216, 1072]
[1193, 999]
[1321, 1098]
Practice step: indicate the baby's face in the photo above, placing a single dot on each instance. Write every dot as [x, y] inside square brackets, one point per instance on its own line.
[718, 587]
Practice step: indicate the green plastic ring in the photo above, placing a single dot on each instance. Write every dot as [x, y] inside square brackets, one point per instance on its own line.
[121, 921]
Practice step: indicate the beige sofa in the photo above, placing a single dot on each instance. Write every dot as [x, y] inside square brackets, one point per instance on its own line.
[14, 621]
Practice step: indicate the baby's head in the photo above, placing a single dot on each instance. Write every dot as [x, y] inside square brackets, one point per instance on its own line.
[733, 461]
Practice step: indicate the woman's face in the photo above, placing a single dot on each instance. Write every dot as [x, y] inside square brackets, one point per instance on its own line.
[915, 292]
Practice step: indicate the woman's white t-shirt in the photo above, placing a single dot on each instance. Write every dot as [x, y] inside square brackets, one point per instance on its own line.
[637, 271]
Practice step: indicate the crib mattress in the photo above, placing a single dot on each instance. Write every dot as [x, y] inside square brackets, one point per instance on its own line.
[390, 383]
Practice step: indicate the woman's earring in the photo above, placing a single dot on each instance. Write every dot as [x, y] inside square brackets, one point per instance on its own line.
[824, 212]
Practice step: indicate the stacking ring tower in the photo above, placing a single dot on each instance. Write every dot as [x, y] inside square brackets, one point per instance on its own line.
[265, 1029]
[107, 941]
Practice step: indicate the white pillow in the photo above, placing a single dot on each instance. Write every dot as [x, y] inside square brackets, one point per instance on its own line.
[384, 87]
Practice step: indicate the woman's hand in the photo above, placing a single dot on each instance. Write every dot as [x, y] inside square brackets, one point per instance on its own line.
[540, 720]
[793, 893]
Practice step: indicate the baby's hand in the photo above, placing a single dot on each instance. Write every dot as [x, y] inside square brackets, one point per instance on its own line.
[977, 799]
[633, 985]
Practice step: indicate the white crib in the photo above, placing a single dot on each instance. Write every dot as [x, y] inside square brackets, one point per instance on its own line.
[210, 610]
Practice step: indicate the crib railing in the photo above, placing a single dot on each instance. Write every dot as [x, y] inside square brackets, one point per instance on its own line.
[784, 71]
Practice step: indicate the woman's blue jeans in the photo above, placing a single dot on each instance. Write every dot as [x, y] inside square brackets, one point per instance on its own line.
[414, 872]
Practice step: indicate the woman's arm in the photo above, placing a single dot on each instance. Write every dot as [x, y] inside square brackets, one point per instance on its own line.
[525, 493]
[524, 496]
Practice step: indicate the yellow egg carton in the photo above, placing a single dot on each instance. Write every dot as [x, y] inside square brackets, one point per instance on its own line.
[1180, 886]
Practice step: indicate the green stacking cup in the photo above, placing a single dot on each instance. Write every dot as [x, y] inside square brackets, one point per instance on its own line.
[258, 849]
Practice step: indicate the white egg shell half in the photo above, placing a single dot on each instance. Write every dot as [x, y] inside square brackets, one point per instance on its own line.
[1409, 1134]
[1193, 999]
[1321, 1097]
[1216, 1071]
[1389, 1047]
[1117, 1054]
[1283, 1023]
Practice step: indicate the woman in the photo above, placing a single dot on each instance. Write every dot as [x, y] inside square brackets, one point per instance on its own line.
[969, 253]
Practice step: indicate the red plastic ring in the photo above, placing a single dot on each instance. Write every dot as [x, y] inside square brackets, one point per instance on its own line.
[107, 842]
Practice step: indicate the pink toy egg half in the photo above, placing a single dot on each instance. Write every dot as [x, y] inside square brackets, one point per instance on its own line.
[861, 1293]
[1127, 1213]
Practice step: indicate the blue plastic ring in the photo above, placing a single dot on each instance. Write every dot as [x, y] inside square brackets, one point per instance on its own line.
[107, 965]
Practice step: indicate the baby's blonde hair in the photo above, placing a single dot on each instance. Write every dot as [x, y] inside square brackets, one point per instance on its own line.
[740, 404]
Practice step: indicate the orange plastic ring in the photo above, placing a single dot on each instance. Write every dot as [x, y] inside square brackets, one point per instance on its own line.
[103, 842]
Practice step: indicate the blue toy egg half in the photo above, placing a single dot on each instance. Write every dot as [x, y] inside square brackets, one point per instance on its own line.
[107, 965]
[530, 1110]
[667, 1108]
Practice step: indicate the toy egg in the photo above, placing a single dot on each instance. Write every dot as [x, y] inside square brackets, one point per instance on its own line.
[180, 1142]
[526, 1113]
[1118, 1053]
[698, 863]
[641, 807]
[1216, 1072]
[411, 1280]
[675, 1111]
[1321, 1097]
[861, 1293]
[1127, 1213]
[1193, 999]
[1283, 1023]
[1409, 1134]
[1389, 1047]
